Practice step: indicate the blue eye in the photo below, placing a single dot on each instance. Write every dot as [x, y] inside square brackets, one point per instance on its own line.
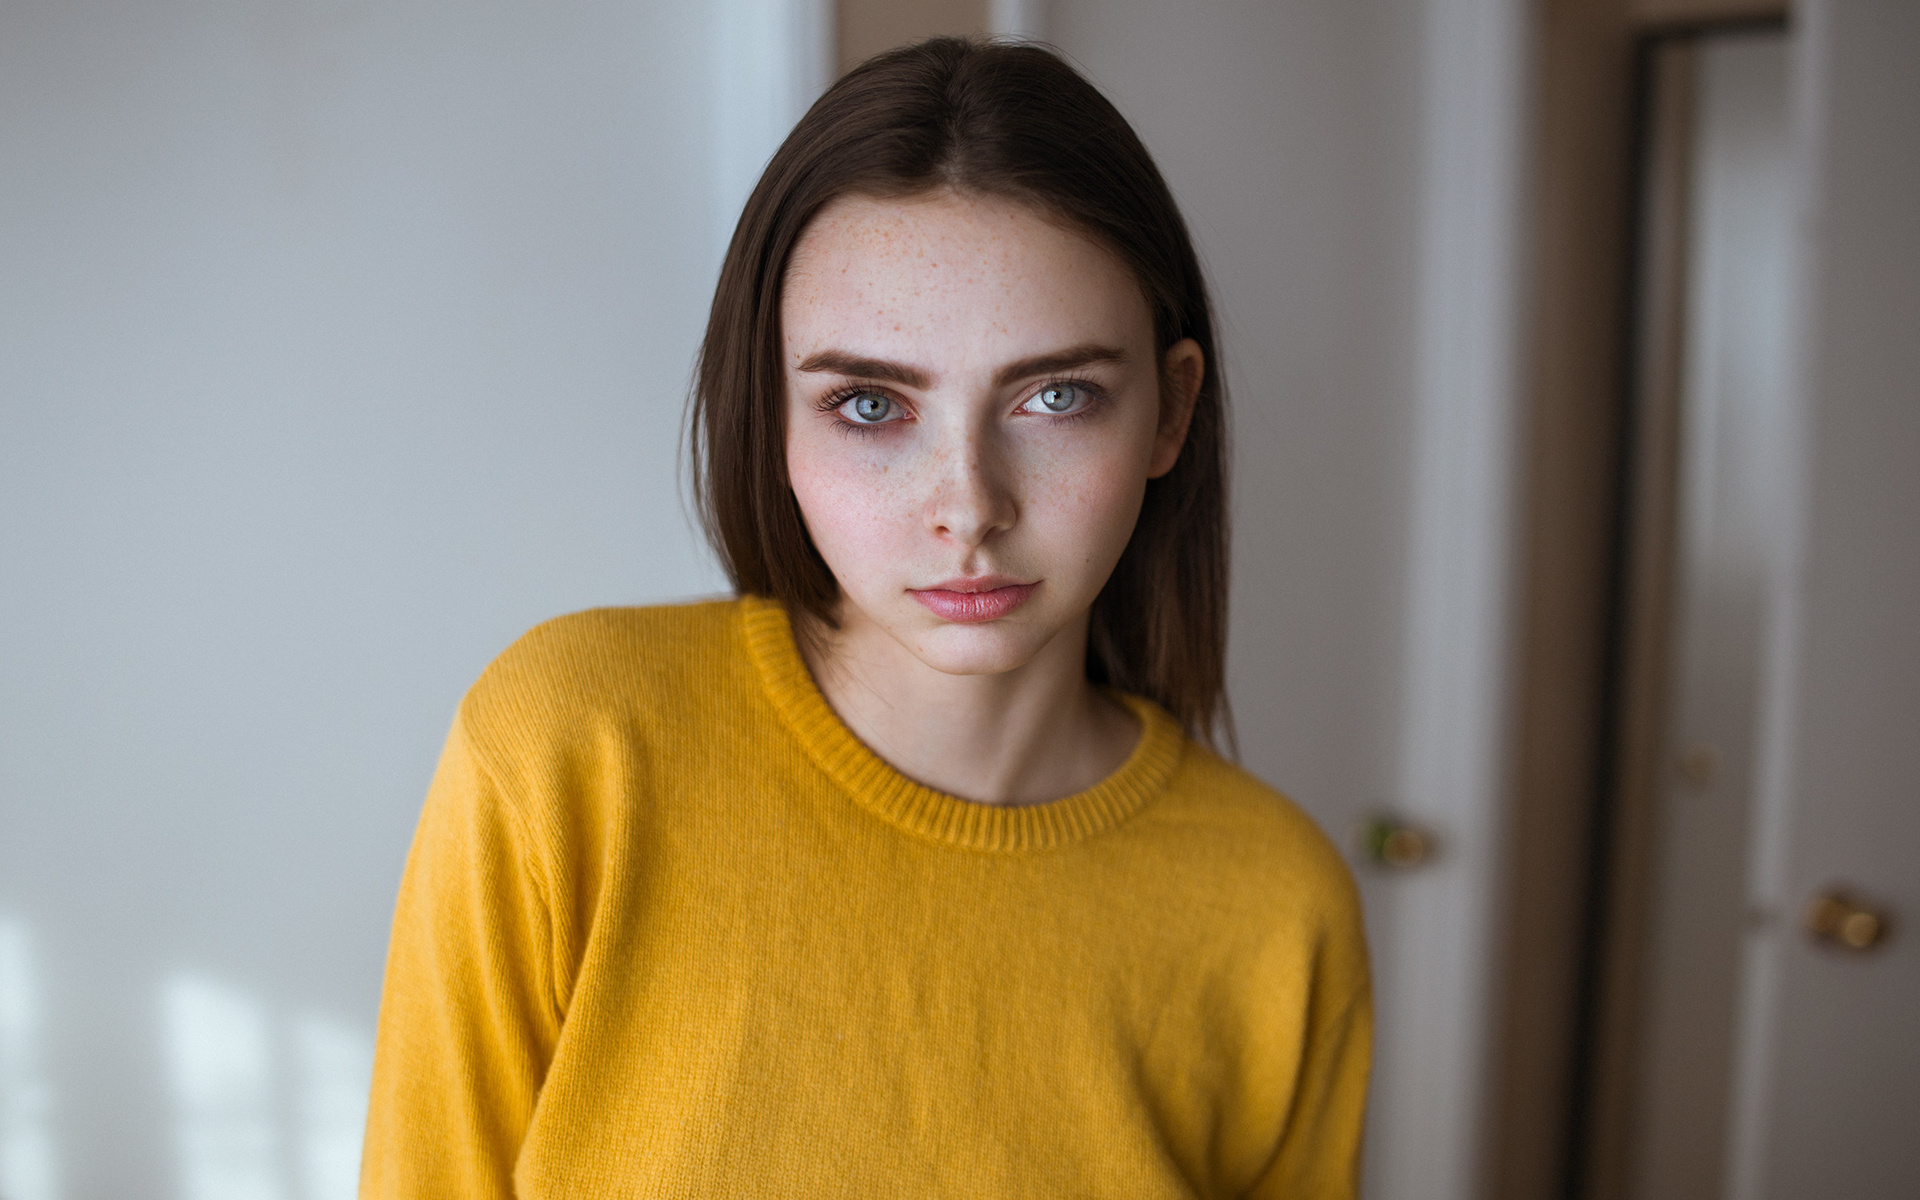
[869, 408]
[1057, 399]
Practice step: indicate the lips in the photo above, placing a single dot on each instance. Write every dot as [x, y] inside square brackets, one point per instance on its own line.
[972, 601]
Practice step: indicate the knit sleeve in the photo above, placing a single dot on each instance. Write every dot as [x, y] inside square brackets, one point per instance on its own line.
[1318, 1157]
[468, 1016]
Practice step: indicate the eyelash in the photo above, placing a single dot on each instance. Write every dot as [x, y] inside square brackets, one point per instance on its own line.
[832, 401]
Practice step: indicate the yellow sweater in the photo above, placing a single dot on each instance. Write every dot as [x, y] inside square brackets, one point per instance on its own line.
[669, 929]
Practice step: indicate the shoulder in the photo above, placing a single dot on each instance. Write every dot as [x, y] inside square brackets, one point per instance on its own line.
[571, 680]
[604, 654]
[1259, 856]
[1211, 796]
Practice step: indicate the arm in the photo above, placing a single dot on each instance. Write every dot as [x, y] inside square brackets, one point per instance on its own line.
[1319, 1155]
[468, 1017]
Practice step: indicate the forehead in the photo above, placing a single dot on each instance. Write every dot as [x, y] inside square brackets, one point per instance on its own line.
[953, 269]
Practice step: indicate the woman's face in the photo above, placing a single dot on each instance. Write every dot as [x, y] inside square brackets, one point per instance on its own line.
[974, 407]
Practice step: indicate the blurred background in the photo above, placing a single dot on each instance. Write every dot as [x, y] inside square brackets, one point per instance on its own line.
[1574, 351]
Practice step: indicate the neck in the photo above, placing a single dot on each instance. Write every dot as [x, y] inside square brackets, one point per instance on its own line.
[1037, 733]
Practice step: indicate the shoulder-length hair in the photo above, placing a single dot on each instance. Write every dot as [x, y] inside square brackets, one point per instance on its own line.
[994, 119]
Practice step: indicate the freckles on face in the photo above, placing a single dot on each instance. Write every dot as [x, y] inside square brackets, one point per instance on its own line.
[972, 395]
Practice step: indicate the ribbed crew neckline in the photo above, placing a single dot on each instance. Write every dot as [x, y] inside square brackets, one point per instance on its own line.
[876, 786]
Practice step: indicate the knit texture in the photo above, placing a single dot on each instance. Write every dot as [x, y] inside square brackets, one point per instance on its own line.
[668, 928]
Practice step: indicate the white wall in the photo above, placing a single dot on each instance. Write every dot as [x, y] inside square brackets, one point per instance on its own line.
[339, 342]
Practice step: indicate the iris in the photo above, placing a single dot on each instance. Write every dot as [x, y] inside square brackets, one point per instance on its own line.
[1058, 397]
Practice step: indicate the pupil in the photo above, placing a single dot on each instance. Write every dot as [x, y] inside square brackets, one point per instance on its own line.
[871, 407]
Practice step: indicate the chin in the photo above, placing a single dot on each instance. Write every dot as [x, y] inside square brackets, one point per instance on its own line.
[990, 649]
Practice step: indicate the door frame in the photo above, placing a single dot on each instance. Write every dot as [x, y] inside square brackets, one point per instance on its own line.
[1594, 564]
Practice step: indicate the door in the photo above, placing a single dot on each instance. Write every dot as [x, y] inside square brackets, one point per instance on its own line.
[1827, 1065]
[1768, 865]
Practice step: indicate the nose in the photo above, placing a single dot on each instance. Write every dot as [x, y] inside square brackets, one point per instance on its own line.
[972, 496]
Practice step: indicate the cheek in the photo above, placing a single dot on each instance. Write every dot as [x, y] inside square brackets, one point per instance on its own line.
[1088, 505]
[846, 495]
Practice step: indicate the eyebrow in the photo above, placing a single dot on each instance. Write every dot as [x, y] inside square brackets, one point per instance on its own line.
[1065, 360]
[842, 362]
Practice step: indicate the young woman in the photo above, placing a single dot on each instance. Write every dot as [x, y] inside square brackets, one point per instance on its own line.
[909, 872]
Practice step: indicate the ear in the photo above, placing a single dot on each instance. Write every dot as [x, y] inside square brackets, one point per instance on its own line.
[1181, 370]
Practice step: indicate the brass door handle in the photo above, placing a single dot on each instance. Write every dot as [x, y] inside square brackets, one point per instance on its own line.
[1389, 842]
[1838, 917]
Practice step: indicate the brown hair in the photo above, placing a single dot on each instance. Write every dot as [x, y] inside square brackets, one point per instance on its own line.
[1005, 120]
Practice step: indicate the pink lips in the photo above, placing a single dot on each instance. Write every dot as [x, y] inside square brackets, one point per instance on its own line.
[971, 601]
